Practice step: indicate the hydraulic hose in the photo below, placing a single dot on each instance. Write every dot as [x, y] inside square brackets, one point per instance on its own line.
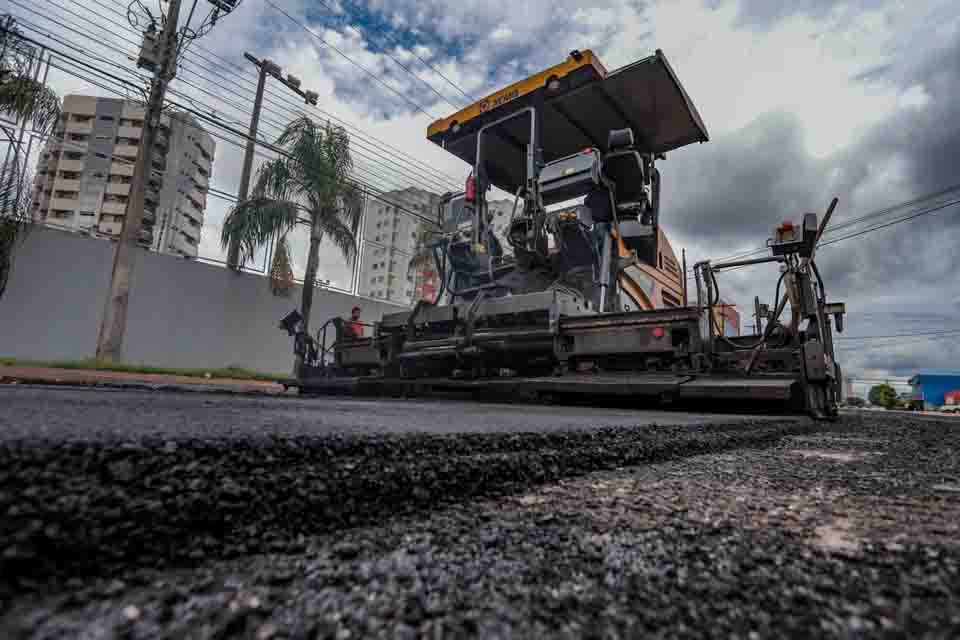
[716, 299]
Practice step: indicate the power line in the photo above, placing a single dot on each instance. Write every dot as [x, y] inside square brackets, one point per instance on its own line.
[127, 53]
[411, 164]
[898, 221]
[402, 66]
[125, 83]
[877, 227]
[372, 191]
[900, 335]
[903, 341]
[854, 221]
[351, 60]
[427, 64]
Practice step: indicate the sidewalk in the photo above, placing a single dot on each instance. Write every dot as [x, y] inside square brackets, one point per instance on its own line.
[126, 380]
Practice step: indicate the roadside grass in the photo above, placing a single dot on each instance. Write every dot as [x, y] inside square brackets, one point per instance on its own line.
[236, 373]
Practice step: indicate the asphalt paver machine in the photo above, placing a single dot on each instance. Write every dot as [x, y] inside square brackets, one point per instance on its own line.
[576, 297]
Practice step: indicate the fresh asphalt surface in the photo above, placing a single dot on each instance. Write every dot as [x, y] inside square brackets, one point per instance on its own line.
[165, 515]
[77, 413]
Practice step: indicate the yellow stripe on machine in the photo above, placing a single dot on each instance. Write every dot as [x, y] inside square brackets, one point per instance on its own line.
[518, 89]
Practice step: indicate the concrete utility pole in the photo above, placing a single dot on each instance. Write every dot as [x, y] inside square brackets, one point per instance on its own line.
[266, 68]
[110, 343]
[158, 54]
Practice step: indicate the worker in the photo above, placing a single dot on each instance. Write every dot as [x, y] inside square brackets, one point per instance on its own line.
[354, 328]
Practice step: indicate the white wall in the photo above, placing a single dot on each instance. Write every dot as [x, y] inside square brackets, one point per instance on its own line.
[182, 313]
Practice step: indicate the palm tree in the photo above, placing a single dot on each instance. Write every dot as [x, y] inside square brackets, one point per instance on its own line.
[308, 184]
[32, 104]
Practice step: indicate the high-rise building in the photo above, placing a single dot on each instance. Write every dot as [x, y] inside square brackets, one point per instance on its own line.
[84, 173]
[391, 239]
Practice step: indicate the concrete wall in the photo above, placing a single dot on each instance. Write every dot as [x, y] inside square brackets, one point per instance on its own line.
[182, 313]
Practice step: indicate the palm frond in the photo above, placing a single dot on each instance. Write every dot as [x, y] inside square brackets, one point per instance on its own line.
[311, 178]
[340, 234]
[273, 180]
[22, 97]
[25, 98]
[15, 219]
[255, 221]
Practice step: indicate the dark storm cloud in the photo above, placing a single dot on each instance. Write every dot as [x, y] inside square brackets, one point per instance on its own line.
[729, 193]
[741, 184]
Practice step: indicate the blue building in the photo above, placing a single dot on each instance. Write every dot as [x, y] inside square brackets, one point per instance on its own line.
[930, 386]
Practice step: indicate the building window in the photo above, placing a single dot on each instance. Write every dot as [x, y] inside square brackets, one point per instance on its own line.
[107, 118]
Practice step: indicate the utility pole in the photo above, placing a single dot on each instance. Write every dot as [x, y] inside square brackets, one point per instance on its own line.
[266, 68]
[110, 344]
[159, 54]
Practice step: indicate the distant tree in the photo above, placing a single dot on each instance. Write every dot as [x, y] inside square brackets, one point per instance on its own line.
[883, 395]
[856, 401]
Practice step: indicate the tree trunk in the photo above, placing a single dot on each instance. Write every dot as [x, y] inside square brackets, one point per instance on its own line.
[309, 278]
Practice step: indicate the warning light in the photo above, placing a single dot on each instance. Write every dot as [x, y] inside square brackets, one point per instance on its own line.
[658, 332]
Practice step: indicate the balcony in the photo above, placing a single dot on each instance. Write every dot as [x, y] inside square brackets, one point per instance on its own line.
[203, 163]
[114, 208]
[70, 165]
[129, 132]
[80, 127]
[201, 180]
[193, 216]
[118, 188]
[121, 169]
[63, 184]
[110, 228]
[126, 150]
[64, 204]
[197, 198]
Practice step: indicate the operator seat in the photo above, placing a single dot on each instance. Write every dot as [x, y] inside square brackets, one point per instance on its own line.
[623, 166]
[636, 194]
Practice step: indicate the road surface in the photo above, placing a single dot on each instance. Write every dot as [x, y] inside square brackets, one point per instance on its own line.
[145, 515]
[79, 413]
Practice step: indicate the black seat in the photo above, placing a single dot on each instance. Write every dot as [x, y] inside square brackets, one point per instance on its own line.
[623, 166]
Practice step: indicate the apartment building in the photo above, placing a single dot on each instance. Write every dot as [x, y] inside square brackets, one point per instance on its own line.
[391, 238]
[83, 176]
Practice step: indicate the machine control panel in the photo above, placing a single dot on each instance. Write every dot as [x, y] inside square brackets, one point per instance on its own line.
[791, 238]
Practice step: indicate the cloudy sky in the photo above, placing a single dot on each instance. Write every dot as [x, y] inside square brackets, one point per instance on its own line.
[804, 100]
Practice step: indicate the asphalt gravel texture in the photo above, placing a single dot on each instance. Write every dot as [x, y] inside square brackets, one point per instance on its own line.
[744, 528]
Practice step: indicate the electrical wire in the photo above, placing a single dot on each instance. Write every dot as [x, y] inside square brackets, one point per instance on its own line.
[174, 92]
[857, 220]
[380, 81]
[425, 63]
[400, 64]
[949, 332]
[375, 192]
[369, 189]
[413, 165]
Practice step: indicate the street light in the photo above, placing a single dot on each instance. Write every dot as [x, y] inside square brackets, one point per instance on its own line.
[267, 67]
